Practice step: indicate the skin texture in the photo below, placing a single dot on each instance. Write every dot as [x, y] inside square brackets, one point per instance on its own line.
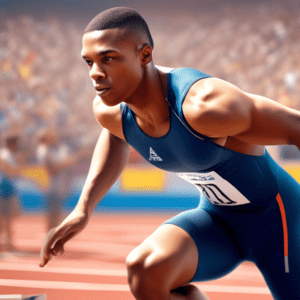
[165, 262]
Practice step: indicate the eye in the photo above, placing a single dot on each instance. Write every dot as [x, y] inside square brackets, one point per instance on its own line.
[107, 58]
[89, 63]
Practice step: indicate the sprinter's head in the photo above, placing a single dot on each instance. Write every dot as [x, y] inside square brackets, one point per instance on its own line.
[117, 46]
[123, 18]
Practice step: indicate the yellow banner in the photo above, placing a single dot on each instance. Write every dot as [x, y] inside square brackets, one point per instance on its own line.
[143, 180]
[37, 174]
[294, 171]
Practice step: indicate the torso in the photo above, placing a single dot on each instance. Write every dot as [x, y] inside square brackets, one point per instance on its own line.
[111, 118]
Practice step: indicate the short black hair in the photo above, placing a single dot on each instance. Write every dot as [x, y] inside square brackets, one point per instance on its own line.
[120, 17]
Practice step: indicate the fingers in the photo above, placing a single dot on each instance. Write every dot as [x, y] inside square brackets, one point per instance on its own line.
[57, 250]
[46, 253]
[58, 236]
[45, 259]
[54, 245]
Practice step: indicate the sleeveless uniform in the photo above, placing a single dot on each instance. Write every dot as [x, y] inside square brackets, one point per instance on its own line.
[249, 206]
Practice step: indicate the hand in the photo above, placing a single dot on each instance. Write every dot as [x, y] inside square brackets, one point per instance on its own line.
[58, 236]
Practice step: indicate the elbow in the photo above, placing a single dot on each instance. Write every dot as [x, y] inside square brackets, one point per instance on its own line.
[295, 142]
[294, 136]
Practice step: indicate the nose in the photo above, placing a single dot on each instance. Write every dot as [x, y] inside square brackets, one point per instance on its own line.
[97, 73]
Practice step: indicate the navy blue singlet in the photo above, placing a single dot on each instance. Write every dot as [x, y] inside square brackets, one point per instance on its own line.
[249, 206]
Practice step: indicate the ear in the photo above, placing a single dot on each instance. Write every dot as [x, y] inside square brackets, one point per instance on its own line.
[146, 55]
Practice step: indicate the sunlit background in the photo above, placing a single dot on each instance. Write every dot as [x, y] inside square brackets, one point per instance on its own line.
[46, 94]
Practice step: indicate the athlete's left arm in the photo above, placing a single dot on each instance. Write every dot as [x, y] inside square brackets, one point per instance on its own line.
[271, 123]
[216, 108]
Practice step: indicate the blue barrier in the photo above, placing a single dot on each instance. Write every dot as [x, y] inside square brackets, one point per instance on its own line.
[176, 197]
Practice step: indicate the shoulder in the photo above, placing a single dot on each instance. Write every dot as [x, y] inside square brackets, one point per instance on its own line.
[104, 114]
[109, 117]
[163, 69]
[213, 88]
[216, 108]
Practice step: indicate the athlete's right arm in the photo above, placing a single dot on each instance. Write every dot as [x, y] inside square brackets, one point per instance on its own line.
[109, 159]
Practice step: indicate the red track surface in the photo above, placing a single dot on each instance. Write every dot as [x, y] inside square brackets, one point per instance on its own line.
[93, 264]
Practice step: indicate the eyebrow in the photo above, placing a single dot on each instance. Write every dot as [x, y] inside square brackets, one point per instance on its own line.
[103, 52]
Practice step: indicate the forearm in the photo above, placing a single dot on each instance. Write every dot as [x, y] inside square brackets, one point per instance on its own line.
[109, 159]
[297, 143]
[271, 123]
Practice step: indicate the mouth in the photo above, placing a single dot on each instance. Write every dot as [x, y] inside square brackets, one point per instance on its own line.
[101, 91]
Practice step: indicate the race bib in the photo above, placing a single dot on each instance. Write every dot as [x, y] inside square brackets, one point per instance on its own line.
[216, 189]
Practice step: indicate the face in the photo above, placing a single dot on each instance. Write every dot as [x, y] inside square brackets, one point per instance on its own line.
[114, 63]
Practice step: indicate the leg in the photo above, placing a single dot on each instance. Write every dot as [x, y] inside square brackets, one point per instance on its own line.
[6, 223]
[283, 285]
[187, 292]
[191, 246]
[163, 262]
[282, 278]
[1, 223]
[12, 213]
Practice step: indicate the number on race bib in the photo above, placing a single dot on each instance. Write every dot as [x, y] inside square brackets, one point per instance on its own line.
[216, 189]
[214, 194]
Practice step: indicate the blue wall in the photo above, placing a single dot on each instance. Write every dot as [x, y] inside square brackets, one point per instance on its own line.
[177, 196]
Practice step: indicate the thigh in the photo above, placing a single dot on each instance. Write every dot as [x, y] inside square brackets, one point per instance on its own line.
[169, 256]
[282, 285]
[217, 251]
[279, 262]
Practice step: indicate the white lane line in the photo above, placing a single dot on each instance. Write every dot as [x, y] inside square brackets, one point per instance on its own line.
[32, 268]
[22, 297]
[237, 274]
[122, 287]
[234, 289]
[64, 285]
[84, 245]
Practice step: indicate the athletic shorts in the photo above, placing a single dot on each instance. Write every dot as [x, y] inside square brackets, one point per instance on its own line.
[269, 237]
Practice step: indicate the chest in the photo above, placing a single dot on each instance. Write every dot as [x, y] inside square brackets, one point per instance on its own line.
[179, 150]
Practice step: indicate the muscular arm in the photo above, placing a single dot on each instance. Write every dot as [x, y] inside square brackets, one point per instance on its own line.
[109, 159]
[272, 123]
[218, 109]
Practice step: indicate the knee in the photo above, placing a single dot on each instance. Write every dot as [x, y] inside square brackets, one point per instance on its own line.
[146, 275]
[189, 291]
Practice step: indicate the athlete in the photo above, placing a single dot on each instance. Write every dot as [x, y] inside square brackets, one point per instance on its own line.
[210, 133]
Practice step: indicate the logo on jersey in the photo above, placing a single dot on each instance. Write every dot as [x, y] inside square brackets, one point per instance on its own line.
[154, 156]
[216, 189]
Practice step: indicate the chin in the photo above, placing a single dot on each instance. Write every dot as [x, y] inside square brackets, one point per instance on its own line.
[110, 102]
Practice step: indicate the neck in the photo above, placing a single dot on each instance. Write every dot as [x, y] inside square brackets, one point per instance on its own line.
[149, 100]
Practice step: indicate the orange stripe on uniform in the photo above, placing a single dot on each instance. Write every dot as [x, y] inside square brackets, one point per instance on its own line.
[285, 229]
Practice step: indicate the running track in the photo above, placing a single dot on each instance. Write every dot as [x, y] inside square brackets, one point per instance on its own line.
[93, 264]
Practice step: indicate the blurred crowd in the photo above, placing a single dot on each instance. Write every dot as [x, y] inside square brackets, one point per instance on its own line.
[44, 82]
[256, 47]
[46, 117]
[46, 123]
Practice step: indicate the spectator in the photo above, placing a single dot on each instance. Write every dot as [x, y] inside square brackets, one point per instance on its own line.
[10, 166]
[56, 158]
